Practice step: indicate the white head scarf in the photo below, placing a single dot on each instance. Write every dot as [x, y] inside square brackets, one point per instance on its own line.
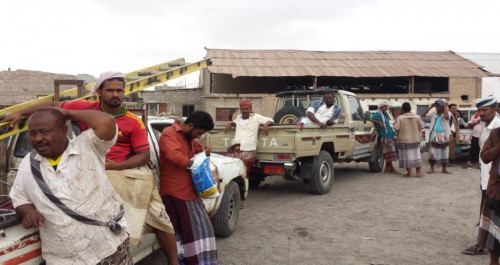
[106, 76]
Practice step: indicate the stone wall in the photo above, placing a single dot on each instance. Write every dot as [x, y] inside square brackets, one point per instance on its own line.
[175, 98]
[467, 86]
[23, 85]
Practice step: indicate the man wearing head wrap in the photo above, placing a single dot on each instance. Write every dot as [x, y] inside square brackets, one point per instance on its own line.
[439, 135]
[245, 137]
[126, 162]
[486, 107]
[386, 132]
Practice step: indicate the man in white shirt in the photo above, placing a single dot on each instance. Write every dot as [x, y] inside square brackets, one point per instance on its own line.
[486, 107]
[245, 138]
[325, 113]
[73, 170]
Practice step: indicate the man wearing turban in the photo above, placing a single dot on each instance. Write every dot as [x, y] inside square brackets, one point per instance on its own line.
[488, 224]
[245, 137]
[385, 130]
[439, 135]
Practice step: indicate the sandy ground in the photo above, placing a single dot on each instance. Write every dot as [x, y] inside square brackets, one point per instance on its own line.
[366, 219]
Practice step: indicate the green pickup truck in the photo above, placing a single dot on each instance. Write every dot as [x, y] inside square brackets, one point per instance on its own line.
[310, 153]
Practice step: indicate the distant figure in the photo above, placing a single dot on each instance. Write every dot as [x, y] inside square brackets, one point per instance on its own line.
[323, 113]
[486, 107]
[73, 172]
[245, 138]
[193, 227]
[382, 122]
[439, 135]
[408, 127]
[477, 126]
[455, 122]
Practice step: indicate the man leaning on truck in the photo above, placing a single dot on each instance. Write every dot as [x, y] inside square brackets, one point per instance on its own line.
[126, 161]
[245, 138]
[63, 175]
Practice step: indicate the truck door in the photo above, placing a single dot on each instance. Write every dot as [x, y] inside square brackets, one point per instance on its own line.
[360, 130]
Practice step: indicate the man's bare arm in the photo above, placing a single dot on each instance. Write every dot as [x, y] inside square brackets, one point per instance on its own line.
[15, 117]
[30, 216]
[140, 158]
[103, 124]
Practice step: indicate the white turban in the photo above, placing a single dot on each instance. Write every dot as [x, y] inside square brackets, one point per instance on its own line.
[384, 103]
[106, 76]
[486, 102]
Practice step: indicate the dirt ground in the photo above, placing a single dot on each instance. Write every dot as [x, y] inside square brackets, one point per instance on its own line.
[366, 219]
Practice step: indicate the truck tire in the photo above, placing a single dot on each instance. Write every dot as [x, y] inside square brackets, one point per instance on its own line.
[377, 160]
[255, 180]
[226, 218]
[288, 115]
[323, 173]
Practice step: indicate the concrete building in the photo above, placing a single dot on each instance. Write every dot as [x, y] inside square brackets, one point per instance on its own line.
[491, 63]
[23, 85]
[395, 76]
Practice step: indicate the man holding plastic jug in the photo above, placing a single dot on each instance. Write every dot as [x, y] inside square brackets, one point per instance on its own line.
[194, 232]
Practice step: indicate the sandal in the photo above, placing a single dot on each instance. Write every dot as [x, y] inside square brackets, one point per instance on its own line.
[474, 250]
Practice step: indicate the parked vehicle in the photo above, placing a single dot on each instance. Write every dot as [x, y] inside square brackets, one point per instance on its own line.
[310, 153]
[19, 245]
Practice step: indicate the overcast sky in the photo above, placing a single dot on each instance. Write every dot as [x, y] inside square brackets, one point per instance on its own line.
[92, 36]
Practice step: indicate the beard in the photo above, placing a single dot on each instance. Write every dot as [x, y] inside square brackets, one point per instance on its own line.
[188, 136]
[113, 102]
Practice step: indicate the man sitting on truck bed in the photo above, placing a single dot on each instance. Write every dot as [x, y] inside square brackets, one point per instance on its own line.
[245, 138]
[324, 113]
[126, 162]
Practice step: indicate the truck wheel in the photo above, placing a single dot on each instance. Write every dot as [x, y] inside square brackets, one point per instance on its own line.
[323, 173]
[254, 181]
[378, 160]
[226, 218]
[288, 115]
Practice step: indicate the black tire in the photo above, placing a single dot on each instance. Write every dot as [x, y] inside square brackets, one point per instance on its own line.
[288, 115]
[377, 160]
[323, 174]
[254, 181]
[226, 218]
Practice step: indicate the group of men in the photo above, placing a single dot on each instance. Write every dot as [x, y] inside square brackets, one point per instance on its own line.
[76, 192]
[93, 196]
[444, 133]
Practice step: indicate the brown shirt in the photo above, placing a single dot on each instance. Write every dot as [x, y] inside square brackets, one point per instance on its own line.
[491, 153]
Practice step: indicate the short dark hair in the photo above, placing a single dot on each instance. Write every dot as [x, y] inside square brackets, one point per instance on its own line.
[200, 120]
[452, 105]
[406, 107]
[61, 120]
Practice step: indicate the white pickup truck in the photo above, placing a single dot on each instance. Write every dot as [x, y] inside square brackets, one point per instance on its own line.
[22, 246]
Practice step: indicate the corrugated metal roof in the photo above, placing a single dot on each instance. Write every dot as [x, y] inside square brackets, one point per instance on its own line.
[342, 64]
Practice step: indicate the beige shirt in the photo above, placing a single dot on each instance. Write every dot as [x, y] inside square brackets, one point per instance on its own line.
[80, 182]
[246, 131]
[408, 127]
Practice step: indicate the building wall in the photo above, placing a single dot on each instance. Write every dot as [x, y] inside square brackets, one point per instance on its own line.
[464, 86]
[23, 85]
[175, 98]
